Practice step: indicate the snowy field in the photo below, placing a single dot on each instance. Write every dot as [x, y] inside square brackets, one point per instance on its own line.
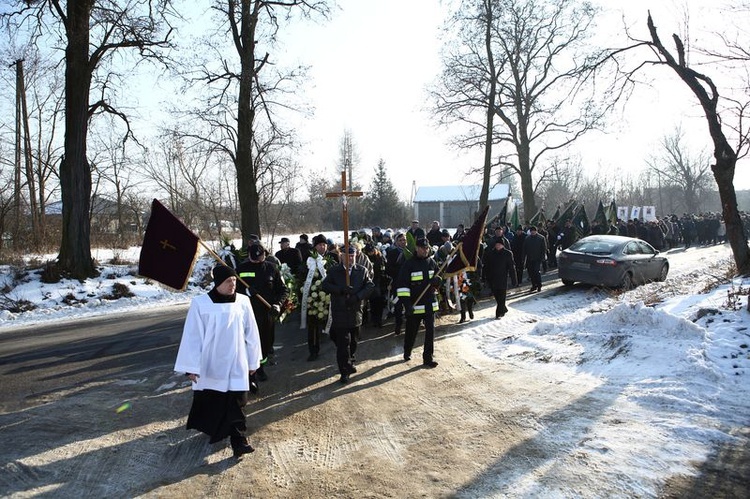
[672, 357]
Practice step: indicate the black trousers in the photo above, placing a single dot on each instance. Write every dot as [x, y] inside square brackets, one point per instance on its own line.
[535, 276]
[266, 329]
[412, 326]
[346, 347]
[377, 304]
[500, 294]
[398, 313]
[314, 332]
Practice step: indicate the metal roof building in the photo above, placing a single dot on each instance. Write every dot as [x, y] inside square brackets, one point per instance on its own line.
[455, 204]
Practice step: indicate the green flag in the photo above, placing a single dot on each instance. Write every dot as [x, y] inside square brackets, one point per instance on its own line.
[556, 216]
[568, 212]
[612, 213]
[581, 222]
[515, 220]
[539, 219]
[601, 215]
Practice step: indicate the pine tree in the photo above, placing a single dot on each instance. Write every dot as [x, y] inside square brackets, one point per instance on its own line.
[383, 205]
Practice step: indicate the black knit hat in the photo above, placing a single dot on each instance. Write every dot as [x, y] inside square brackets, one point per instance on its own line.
[221, 273]
[320, 238]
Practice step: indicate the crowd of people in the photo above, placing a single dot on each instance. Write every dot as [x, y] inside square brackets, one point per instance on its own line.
[229, 333]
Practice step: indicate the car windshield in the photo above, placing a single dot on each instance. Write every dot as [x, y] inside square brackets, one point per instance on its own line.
[594, 247]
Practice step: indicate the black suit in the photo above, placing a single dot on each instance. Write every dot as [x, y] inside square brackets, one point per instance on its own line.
[497, 267]
[346, 310]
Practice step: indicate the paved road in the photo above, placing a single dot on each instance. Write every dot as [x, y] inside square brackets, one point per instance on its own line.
[35, 360]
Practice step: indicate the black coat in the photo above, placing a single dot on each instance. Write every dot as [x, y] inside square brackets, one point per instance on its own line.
[535, 248]
[346, 312]
[414, 280]
[292, 257]
[264, 279]
[497, 267]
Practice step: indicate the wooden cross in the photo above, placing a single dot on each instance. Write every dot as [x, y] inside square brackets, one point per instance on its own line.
[344, 195]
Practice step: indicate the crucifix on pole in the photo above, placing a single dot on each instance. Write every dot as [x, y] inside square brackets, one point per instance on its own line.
[345, 195]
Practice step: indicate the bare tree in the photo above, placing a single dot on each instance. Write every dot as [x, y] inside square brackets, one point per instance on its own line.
[114, 172]
[246, 94]
[525, 63]
[90, 32]
[678, 166]
[723, 115]
[186, 172]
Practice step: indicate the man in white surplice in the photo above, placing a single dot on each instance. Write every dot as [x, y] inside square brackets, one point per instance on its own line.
[220, 348]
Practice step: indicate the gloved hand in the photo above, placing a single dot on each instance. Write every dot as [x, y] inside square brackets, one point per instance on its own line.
[351, 300]
[409, 309]
[275, 311]
[348, 290]
[435, 281]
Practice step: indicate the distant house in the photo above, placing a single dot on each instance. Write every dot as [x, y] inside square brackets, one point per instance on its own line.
[103, 215]
[455, 204]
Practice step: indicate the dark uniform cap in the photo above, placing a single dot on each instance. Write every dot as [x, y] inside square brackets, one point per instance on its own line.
[284, 240]
[256, 251]
[424, 243]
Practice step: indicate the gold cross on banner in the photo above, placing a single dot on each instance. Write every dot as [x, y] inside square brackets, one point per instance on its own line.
[165, 245]
[344, 195]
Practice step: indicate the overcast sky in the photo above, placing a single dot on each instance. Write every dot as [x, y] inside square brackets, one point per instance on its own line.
[372, 62]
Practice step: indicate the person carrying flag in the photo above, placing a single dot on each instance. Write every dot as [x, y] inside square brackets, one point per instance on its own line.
[415, 286]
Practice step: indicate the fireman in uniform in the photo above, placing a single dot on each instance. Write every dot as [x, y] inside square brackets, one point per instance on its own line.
[263, 280]
[417, 277]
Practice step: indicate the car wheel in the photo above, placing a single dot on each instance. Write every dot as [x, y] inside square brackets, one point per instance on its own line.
[568, 282]
[663, 273]
[627, 282]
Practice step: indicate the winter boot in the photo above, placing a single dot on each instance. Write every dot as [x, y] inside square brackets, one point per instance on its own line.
[240, 445]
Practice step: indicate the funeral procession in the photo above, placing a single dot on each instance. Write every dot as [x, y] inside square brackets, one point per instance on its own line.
[313, 249]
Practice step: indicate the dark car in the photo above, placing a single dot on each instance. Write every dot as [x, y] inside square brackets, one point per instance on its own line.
[611, 261]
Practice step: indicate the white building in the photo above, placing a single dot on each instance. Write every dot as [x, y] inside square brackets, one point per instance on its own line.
[455, 204]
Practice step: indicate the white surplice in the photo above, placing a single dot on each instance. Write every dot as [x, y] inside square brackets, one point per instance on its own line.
[220, 343]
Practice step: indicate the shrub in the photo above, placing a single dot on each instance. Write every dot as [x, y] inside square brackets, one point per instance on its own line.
[16, 305]
[119, 290]
[51, 273]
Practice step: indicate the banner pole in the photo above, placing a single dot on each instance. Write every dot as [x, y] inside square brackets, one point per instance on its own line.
[440, 270]
[218, 259]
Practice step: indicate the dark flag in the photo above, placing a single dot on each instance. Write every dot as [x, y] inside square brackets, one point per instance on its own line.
[468, 249]
[539, 220]
[169, 249]
[601, 216]
[556, 216]
[515, 219]
[568, 212]
[612, 215]
[501, 217]
[581, 222]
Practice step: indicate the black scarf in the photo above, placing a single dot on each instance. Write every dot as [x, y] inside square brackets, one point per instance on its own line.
[217, 297]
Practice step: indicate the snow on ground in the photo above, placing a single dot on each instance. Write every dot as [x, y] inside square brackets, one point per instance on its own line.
[671, 359]
[673, 377]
